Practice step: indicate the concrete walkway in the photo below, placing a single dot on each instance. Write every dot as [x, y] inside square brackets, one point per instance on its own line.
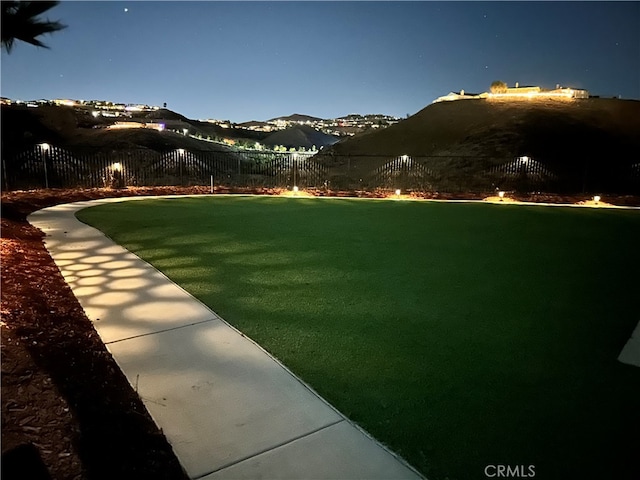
[228, 409]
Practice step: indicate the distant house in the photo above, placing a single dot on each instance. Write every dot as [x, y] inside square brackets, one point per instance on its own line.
[126, 125]
[519, 93]
[462, 95]
[536, 92]
[568, 93]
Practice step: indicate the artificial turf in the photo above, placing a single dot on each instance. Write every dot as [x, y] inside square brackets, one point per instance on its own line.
[461, 335]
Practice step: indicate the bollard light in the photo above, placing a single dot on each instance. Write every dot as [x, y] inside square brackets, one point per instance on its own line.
[596, 198]
[501, 194]
[398, 192]
[295, 189]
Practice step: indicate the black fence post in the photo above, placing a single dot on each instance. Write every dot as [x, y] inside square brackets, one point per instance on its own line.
[4, 174]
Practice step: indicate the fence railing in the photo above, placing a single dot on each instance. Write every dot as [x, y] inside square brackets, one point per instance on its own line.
[46, 166]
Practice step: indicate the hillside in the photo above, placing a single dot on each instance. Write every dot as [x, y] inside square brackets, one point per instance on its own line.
[296, 117]
[579, 146]
[300, 136]
[78, 130]
[548, 131]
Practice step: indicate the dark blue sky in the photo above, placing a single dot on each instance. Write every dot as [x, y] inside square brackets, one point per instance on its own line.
[258, 60]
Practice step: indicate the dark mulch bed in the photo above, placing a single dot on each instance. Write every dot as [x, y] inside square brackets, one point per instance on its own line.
[65, 402]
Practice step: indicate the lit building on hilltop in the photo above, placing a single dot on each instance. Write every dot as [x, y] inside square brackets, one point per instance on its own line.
[462, 95]
[535, 92]
[65, 102]
[519, 93]
[127, 125]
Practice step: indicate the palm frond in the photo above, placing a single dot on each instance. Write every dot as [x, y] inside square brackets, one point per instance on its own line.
[20, 22]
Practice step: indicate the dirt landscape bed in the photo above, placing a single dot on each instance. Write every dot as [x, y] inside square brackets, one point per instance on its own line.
[65, 403]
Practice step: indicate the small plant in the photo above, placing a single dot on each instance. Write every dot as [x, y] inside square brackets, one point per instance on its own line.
[498, 86]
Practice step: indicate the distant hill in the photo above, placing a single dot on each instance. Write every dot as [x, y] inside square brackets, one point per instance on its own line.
[552, 130]
[78, 129]
[300, 136]
[128, 139]
[296, 117]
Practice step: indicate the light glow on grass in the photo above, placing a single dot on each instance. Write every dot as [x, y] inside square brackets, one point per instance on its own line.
[458, 334]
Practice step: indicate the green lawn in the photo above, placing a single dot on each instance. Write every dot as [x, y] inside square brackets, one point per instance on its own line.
[460, 335]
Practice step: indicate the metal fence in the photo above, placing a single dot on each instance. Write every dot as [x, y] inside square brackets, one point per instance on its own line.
[47, 166]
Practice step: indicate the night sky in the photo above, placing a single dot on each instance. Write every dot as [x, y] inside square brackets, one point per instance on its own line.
[258, 60]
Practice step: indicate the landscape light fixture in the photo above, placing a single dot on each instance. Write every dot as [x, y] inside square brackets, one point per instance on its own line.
[596, 198]
[524, 159]
[404, 158]
[117, 167]
[295, 189]
[45, 148]
[181, 151]
[398, 192]
[501, 194]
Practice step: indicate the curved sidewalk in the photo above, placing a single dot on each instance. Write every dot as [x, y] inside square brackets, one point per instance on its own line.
[228, 408]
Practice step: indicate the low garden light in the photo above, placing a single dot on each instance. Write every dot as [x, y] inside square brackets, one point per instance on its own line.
[45, 148]
[596, 198]
[295, 189]
[501, 194]
[398, 191]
